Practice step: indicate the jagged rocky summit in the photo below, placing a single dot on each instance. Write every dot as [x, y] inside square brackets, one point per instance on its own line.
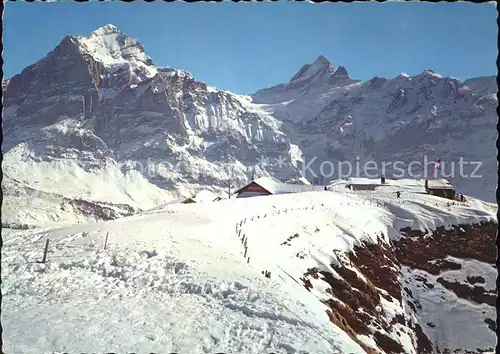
[98, 106]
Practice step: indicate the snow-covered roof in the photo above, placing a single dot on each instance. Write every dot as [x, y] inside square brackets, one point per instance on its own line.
[117, 51]
[204, 196]
[275, 186]
[406, 184]
[439, 184]
[296, 188]
[365, 181]
[268, 183]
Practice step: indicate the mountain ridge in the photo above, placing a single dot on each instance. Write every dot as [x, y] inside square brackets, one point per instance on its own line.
[95, 131]
[98, 100]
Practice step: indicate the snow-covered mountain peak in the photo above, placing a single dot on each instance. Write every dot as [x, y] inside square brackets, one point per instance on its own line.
[100, 97]
[105, 30]
[320, 65]
[311, 79]
[429, 72]
[322, 60]
[341, 72]
[117, 51]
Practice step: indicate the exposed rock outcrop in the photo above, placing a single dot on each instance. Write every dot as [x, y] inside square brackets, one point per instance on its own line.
[372, 274]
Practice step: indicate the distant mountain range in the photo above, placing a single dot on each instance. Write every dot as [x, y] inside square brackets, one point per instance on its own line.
[95, 120]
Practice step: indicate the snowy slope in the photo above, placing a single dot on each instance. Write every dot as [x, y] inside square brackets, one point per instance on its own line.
[176, 278]
[47, 193]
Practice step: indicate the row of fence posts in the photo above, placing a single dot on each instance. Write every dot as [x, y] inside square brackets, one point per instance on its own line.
[46, 248]
[244, 238]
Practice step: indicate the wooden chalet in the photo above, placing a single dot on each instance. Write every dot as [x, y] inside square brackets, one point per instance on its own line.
[440, 187]
[272, 186]
[202, 197]
[364, 184]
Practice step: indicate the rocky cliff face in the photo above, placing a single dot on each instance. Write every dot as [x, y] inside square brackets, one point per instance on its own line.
[98, 103]
[100, 97]
[421, 276]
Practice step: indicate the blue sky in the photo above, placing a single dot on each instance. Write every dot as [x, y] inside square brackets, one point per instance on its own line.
[243, 47]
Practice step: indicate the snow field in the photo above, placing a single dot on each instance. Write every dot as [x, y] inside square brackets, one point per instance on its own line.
[175, 279]
[186, 283]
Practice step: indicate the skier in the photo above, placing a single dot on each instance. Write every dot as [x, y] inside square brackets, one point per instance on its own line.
[398, 194]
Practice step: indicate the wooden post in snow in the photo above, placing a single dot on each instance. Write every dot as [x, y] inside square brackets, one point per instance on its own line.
[106, 241]
[229, 186]
[45, 251]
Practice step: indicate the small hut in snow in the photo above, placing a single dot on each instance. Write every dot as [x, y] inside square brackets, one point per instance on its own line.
[272, 186]
[440, 187]
[365, 184]
[202, 197]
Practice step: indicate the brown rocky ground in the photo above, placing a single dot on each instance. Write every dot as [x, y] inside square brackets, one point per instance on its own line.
[463, 241]
[428, 253]
[354, 305]
[100, 210]
[359, 304]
